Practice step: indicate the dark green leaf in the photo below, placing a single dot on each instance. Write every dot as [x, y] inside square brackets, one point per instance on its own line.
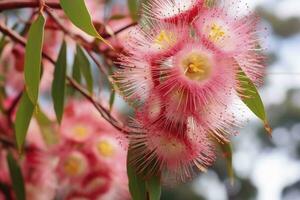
[16, 177]
[85, 67]
[112, 99]
[78, 13]
[154, 188]
[23, 117]
[137, 185]
[59, 82]
[33, 57]
[133, 6]
[252, 99]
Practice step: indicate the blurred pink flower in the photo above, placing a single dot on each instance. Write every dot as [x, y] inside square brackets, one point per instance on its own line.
[88, 149]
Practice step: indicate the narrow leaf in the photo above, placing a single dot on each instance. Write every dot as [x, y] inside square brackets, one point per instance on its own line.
[59, 82]
[33, 58]
[79, 15]
[133, 7]
[3, 42]
[112, 99]
[76, 75]
[85, 67]
[227, 153]
[23, 117]
[16, 177]
[154, 188]
[252, 99]
[137, 186]
[46, 127]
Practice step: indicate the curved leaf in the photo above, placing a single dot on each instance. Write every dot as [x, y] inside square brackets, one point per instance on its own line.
[79, 15]
[16, 177]
[59, 82]
[23, 117]
[154, 188]
[252, 99]
[33, 58]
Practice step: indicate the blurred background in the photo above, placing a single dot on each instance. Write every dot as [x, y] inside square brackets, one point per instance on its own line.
[265, 168]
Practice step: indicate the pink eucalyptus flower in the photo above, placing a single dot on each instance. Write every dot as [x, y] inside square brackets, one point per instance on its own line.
[237, 37]
[194, 77]
[156, 39]
[173, 10]
[156, 151]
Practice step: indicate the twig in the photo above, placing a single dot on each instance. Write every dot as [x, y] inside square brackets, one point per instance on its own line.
[6, 141]
[106, 36]
[104, 112]
[9, 112]
[15, 4]
[77, 38]
[19, 39]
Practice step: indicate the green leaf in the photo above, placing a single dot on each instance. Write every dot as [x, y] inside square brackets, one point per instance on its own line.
[250, 96]
[23, 117]
[16, 177]
[3, 42]
[112, 99]
[33, 58]
[227, 153]
[46, 127]
[133, 6]
[76, 75]
[59, 82]
[79, 15]
[137, 185]
[154, 188]
[85, 67]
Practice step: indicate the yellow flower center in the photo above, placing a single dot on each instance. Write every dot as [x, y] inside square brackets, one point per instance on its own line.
[164, 39]
[80, 132]
[105, 148]
[170, 147]
[72, 166]
[216, 33]
[197, 66]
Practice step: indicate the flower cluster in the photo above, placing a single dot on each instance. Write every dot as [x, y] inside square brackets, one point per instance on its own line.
[92, 155]
[181, 73]
[83, 158]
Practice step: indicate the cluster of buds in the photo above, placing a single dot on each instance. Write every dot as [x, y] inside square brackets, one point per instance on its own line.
[181, 72]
